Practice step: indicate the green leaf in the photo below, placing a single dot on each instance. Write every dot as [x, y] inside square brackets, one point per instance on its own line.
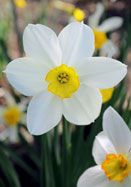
[8, 169]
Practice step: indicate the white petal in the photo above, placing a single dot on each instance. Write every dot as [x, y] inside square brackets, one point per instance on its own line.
[102, 146]
[95, 18]
[13, 134]
[117, 130]
[84, 107]
[101, 72]
[42, 43]
[26, 76]
[111, 24]
[77, 42]
[93, 177]
[127, 182]
[2, 108]
[44, 112]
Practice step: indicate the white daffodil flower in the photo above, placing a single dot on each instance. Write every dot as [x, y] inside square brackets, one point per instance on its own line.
[112, 153]
[61, 75]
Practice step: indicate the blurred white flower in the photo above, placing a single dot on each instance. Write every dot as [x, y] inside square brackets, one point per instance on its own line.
[95, 17]
[112, 153]
[110, 24]
[107, 25]
[10, 116]
[109, 49]
[62, 76]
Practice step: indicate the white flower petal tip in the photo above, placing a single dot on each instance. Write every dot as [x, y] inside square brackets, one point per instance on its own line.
[95, 18]
[111, 24]
[44, 113]
[117, 130]
[92, 177]
[23, 73]
[41, 43]
[102, 72]
[109, 111]
[101, 147]
[72, 40]
[82, 111]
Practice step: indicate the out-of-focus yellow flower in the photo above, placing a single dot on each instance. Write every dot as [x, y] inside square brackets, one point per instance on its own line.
[100, 38]
[107, 94]
[12, 115]
[78, 14]
[20, 3]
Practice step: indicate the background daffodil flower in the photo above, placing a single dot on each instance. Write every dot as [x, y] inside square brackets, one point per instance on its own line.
[11, 115]
[108, 25]
[111, 152]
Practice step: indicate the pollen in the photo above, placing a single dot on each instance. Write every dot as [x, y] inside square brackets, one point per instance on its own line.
[12, 115]
[116, 167]
[63, 81]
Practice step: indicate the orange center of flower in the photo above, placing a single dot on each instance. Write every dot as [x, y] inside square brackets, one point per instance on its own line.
[116, 167]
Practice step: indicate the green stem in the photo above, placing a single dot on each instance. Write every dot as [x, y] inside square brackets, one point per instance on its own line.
[57, 145]
[47, 175]
[66, 154]
[42, 176]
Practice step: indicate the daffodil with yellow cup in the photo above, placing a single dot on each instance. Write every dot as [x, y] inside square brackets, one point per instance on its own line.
[11, 115]
[112, 153]
[108, 25]
[62, 76]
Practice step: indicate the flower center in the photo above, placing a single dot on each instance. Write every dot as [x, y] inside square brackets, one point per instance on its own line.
[63, 78]
[12, 115]
[116, 167]
[63, 81]
[100, 38]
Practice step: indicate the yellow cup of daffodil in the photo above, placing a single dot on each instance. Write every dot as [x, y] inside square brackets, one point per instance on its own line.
[12, 115]
[107, 94]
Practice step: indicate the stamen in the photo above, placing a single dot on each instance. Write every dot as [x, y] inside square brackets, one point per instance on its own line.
[116, 167]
